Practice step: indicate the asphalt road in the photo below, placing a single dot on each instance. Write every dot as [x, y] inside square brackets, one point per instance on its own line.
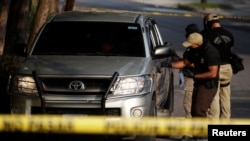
[172, 28]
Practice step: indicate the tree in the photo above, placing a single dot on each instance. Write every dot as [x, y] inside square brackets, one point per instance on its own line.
[53, 7]
[15, 16]
[17, 29]
[4, 11]
[69, 5]
[15, 21]
[40, 17]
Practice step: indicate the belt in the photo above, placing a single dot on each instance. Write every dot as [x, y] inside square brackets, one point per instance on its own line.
[224, 63]
[224, 85]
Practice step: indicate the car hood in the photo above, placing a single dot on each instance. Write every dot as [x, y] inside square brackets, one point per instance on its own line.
[84, 65]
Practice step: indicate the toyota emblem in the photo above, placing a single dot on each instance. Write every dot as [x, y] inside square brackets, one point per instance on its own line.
[76, 85]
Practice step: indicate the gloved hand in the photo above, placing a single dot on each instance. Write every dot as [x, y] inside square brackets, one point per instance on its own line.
[175, 56]
[181, 79]
[166, 63]
[188, 73]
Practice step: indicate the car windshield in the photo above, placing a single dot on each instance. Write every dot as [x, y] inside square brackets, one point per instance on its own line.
[90, 38]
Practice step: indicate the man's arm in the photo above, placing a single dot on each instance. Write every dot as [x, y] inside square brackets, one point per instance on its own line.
[212, 73]
[180, 64]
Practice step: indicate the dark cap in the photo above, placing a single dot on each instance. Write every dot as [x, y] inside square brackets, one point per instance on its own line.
[191, 28]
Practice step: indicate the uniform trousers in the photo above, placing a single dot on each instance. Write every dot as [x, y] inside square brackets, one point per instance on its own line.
[188, 91]
[201, 100]
[221, 105]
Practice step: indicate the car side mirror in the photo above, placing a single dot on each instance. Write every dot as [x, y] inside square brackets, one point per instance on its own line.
[163, 52]
[20, 49]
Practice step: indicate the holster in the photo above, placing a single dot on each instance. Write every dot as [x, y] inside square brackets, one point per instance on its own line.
[209, 84]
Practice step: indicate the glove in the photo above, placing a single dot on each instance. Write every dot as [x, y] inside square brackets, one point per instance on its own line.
[175, 56]
[181, 79]
[188, 73]
[166, 63]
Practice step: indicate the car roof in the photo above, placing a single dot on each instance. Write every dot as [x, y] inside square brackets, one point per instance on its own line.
[99, 16]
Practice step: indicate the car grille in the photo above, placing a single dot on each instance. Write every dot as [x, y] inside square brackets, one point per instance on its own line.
[62, 86]
[95, 86]
[78, 111]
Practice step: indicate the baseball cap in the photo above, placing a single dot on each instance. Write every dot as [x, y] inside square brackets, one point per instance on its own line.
[191, 28]
[211, 17]
[193, 39]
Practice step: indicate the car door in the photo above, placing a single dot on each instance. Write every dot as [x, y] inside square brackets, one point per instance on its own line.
[162, 80]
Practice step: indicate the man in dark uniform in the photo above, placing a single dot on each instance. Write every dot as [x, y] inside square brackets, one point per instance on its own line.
[223, 40]
[206, 61]
[188, 81]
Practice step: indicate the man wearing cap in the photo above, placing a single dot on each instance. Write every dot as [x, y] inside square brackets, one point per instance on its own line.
[223, 40]
[206, 60]
[188, 82]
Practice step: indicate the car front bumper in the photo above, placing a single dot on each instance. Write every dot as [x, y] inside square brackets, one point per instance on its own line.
[132, 106]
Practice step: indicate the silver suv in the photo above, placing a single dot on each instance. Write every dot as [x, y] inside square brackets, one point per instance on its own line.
[94, 64]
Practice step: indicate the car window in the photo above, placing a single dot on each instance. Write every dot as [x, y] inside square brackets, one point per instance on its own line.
[157, 35]
[87, 38]
[153, 34]
[150, 37]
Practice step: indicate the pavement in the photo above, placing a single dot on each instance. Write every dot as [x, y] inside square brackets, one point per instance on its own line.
[240, 7]
[240, 10]
[240, 82]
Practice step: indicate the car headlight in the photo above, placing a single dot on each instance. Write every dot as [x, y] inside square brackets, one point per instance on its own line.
[23, 84]
[132, 85]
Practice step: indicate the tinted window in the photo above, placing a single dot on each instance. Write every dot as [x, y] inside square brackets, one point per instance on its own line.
[87, 38]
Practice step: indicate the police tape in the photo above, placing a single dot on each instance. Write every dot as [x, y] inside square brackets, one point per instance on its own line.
[111, 125]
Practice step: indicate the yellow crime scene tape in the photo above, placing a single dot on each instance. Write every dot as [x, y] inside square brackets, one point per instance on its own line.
[112, 125]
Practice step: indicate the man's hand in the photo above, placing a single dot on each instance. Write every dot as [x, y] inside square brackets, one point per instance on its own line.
[188, 73]
[166, 63]
[175, 56]
[181, 79]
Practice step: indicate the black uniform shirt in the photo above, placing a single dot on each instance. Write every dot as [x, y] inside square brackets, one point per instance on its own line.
[203, 57]
[215, 36]
[185, 54]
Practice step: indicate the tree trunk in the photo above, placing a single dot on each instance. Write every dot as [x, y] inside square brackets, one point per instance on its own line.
[69, 5]
[4, 11]
[203, 1]
[17, 29]
[54, 7]
[40, 17]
